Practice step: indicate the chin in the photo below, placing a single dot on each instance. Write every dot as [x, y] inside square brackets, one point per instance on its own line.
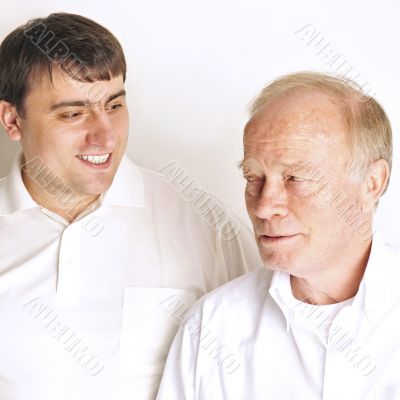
[277, 262]
[273, 263]
[98, 189]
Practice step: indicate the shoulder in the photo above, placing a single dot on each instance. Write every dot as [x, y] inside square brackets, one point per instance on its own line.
[248, 291]
[173, 189]
[166, 184]
[392, 261]
[386, 253]
[145, 186]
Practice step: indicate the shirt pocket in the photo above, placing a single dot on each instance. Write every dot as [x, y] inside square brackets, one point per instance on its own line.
[150, 319]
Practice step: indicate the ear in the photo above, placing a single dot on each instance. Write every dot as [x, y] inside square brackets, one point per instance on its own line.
[375, 183]
[10, 120]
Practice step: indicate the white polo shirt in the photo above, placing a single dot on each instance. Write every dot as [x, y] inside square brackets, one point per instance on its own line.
[83, 305]
[251, 339]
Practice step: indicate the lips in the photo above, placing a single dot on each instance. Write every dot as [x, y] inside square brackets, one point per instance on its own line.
[98, 162]
[279, 236]
[267, 240]
[95, 159]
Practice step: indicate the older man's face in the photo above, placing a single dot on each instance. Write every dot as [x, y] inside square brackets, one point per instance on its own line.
[295, 156]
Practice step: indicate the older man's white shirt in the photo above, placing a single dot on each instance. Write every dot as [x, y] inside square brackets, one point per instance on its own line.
[82, 305]
[251, 339]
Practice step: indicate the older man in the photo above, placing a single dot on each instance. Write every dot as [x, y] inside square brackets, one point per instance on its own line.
[95, 253]
[324, 324]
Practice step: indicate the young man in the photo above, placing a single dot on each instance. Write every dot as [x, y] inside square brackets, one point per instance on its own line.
[99, 258]
[317, 158]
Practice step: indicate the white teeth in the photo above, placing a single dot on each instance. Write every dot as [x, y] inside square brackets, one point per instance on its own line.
[96, 159]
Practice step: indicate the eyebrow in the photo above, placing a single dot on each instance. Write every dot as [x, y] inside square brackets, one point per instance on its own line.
[80, 103]
[292, 165]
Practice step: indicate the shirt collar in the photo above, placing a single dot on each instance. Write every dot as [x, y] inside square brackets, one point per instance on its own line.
[281, 291]
[14, 195]
[126, 190]
[378, 287]
[380, 280]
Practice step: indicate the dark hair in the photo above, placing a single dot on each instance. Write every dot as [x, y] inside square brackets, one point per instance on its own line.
[76, 45]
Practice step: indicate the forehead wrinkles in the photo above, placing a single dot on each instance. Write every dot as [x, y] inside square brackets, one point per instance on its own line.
[297, 135]
[289, 153]
[256, 145]
[298, 119]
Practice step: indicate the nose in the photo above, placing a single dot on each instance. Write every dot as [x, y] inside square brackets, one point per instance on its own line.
[101, 131]
[272, 201]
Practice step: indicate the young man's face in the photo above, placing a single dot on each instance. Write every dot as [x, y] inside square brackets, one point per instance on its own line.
[67, 121]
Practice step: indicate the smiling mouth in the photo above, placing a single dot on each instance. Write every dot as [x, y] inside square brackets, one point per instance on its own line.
[96, 161]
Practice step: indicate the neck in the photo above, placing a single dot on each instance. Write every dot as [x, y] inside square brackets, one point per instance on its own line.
[336, 284]
[65, 203]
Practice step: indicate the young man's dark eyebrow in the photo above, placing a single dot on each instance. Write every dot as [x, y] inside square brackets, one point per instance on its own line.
[114, 96]
[80, 103]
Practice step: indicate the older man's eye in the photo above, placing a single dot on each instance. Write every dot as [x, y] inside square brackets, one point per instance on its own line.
[251, 177]
[254, 186]
[294, 178]
[300, 186]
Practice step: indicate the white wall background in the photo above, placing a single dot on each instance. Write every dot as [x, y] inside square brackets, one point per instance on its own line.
[193, 68]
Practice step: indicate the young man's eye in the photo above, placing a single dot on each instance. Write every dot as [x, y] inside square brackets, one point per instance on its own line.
[114, 106]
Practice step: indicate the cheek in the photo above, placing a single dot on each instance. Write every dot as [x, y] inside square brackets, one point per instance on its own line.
[48, 147]
[33, 135]
[325, 221]
[312, 212]
[120, 122]
[51, 137]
